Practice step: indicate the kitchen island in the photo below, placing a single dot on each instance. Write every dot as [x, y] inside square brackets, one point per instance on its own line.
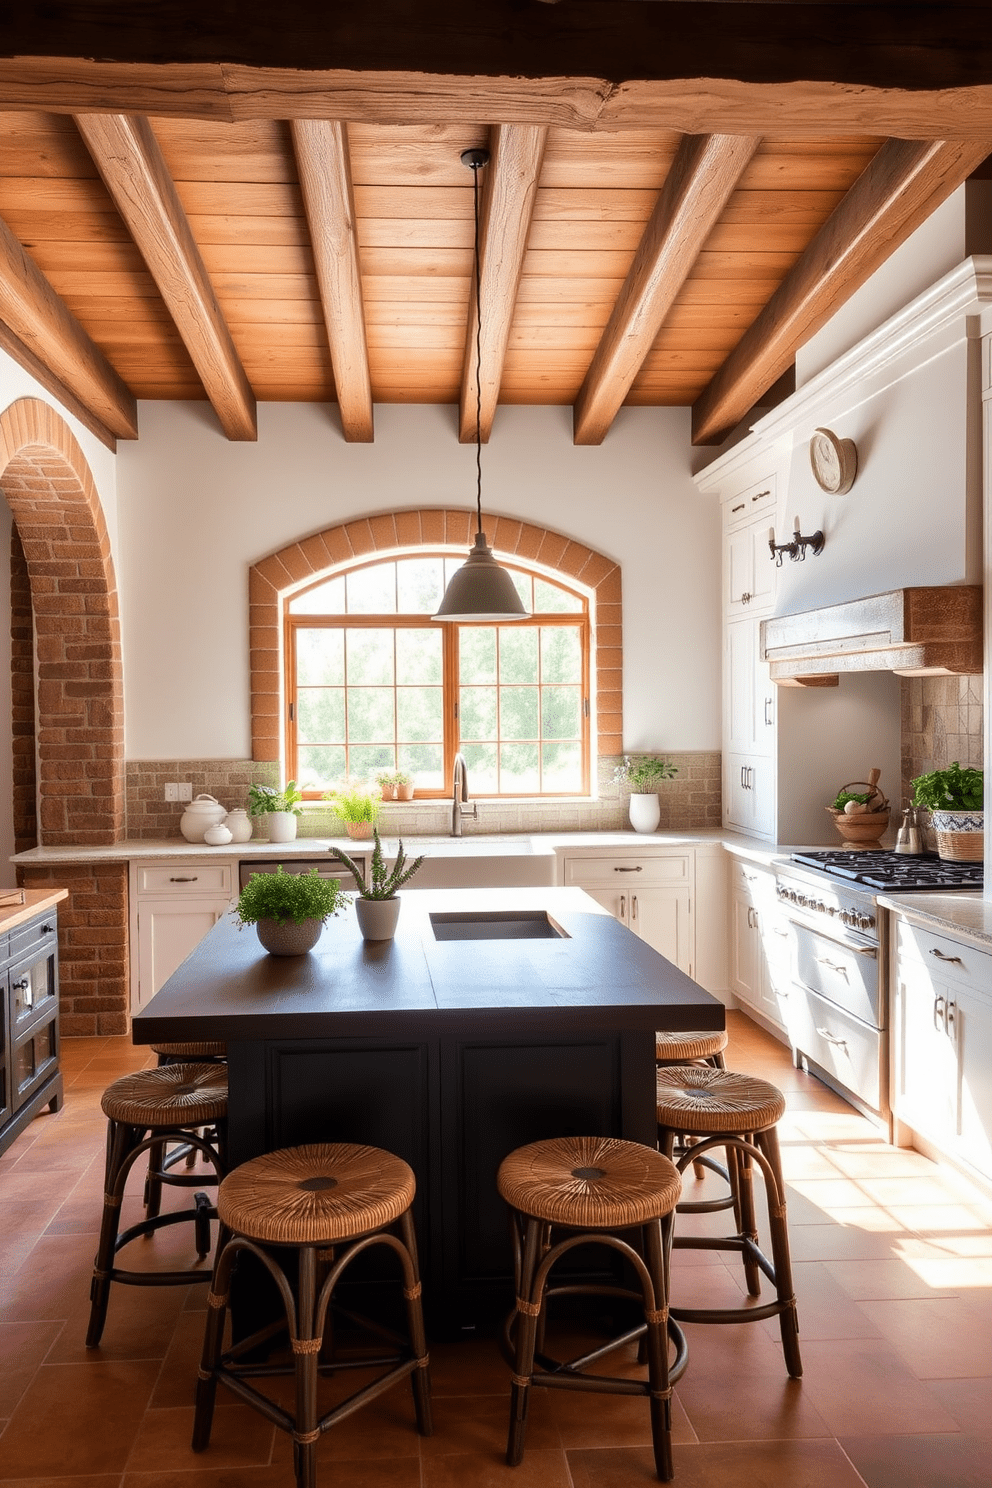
[449, 1052]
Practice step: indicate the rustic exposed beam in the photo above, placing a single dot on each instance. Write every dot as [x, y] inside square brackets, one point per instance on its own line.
[49, 332]
[509, 192]
[128, 157]
[15, 348]
[703, 175]
[904, 183]
[321, 147]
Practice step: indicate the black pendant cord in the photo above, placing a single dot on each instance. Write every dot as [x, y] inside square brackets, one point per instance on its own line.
[478, 352]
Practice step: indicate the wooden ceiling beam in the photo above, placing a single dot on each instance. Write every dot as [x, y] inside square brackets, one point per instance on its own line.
[903, 184]
[509, 190]
[54, 342]
[128, 157]
[322, 162]
[701, 180]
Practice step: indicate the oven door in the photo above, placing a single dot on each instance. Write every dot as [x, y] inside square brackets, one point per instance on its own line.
[844, 971]
[836, 1014]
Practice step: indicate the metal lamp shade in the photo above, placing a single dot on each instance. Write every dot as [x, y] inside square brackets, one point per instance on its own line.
[481, 590]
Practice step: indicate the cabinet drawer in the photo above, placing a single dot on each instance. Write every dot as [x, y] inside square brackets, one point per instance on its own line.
[41, 935]
[756, 884]
[197, 878]
[842, 1045]
[756, 499]
[628, 871]
[962, 966]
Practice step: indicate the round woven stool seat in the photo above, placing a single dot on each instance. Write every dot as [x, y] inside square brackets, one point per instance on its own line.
[204, 1050]
[316, 1195]
[697, 1100]
[589, 1183]
[697, 1045]
[186, 1095]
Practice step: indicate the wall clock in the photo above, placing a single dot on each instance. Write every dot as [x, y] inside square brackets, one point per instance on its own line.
[834, 461]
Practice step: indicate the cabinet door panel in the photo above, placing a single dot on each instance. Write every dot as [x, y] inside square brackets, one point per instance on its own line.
[974, 1030]
[926, 1080]
[168, 929]
[661, 917]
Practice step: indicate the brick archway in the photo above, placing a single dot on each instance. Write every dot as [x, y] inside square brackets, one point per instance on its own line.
[50, 490]
[270, 579]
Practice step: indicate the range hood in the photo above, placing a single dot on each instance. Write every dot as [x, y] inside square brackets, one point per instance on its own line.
[918, 632]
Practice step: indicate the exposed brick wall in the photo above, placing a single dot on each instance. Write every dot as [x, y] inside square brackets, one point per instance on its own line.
[93, 944]
[50, 491]
[269, 580]
[24, 783]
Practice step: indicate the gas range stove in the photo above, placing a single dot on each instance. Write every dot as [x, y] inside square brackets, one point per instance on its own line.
[899, 872]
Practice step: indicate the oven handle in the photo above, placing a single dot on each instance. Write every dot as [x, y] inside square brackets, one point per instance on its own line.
[869, 951]
[831, 1038]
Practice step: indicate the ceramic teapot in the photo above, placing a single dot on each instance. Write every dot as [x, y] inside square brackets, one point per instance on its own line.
[200, 814]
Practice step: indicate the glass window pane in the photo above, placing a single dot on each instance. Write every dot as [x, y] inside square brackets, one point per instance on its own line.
[561, 654]
[550, 599]
[477, 713]
[320, 766]
[365, 760]
[518, 713]
[561, 712]
[320, 715]
[561, 767]
[518, 768]
[425, 762]
[477, 654]
[419, 585]
[372, 591]
[370, 657]
[524, 585]
[517, 653]
[420, 714]
[419, 655]
[451, 567]
[480, 761]
[320, 658]
[325, 599]
[370, 715]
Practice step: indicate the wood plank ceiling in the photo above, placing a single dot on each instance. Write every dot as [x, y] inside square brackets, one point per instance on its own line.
[316, 261]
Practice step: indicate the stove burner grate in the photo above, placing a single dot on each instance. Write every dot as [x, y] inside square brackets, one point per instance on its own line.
[881, 869]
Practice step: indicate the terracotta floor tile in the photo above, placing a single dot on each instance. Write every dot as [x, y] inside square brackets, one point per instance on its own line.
[938, 1461]
[478, 1425]
[77, 1418]
[826, 1310]
[91, 1480]
[828, 1195]
[756, 1406]
[838, 1242]
[939, 1220]
[538, 1470]
[968, 1400]
[241, 1437]
[770, 1464]
[892, 1279]
[23, 1349]
[279, 1475]
[862, 1387]
[585, 1420]
[475, 1367]
[939, 1338]
[51, 1281]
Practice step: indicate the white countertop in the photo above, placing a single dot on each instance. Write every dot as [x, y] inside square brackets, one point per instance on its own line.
[964, 913]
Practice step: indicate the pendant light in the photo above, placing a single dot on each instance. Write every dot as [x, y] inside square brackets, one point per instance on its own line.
[480, 589]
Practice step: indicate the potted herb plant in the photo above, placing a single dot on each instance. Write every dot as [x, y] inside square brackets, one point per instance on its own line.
[955, 798]
[643, 774]
[279, 807]
[288, 910]
[377, 906]
[358, 807]
[396, 785]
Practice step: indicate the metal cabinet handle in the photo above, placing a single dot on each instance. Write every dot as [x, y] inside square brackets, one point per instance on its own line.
[191, 879]
[760, 495]
[739, 507]
[623, 906]
[768, 721]
[22, 985]
[48, 929]
[951, 960]
[746, 597]
[633, 907]
[939, 1011]
[639, 869]
[832, 1038]
[832, 965]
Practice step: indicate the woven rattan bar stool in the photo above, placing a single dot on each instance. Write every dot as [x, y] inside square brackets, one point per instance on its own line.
[328, 1204]
[592, 1188]
[146, 1111]
[204, 1052]
[719, 1108]
[161, 1157]
[699, 1047]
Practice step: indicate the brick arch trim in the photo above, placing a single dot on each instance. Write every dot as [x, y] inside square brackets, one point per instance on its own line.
[272, 577]
[52, 495]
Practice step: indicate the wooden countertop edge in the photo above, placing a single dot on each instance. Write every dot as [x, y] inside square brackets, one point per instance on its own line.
[36, 901]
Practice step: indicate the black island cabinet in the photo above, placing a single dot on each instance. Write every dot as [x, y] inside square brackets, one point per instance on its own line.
[448, 1051]
[29, 1029]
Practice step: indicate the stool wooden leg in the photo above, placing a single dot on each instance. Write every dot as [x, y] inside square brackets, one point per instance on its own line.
[788, 1318]
[213, 1342]
[420, 1379]
[305, 1350]
[525, 1342]
[748, 1229]
[120, 1140]
[656, 1312]
[153, 1183]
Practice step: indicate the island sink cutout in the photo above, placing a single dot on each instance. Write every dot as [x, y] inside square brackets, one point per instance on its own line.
[517, 924]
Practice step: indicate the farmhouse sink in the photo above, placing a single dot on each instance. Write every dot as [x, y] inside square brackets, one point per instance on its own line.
[520, 924]
[478, 862]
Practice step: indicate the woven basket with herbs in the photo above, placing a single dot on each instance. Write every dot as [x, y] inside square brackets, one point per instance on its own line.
[861, 810]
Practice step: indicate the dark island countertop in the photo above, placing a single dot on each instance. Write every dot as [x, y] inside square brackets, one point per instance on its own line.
[230, 988]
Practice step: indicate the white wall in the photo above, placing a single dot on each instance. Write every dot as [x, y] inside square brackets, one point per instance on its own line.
[197, 510]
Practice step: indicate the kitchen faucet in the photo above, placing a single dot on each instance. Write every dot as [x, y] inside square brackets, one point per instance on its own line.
[459, 795]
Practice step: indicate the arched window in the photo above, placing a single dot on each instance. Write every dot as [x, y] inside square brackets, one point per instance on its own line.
[373, 684]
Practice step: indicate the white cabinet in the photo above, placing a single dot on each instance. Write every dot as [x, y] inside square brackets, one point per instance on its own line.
[749, 583]
[650, 893]
[750, 700]
[173, 905]
[942, 1046]
[760, 943]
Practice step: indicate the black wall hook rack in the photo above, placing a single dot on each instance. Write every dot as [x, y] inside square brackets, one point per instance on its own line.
[796, 549]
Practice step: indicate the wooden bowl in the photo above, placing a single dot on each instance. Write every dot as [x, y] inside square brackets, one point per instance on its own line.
[865, 826]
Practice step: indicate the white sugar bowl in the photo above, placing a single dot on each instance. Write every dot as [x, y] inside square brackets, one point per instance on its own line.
[238, 823]
[200, 814]
[219, 835]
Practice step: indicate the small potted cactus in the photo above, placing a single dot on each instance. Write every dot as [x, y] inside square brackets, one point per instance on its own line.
[377, 906]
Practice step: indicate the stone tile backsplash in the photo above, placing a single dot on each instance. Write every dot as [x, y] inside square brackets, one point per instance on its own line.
[942, 721]
[691, 800]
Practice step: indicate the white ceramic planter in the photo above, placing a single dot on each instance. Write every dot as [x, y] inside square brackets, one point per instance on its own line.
[289, 939]
[645, 811]
[281, 826]
[377, 917]
[238, 823]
